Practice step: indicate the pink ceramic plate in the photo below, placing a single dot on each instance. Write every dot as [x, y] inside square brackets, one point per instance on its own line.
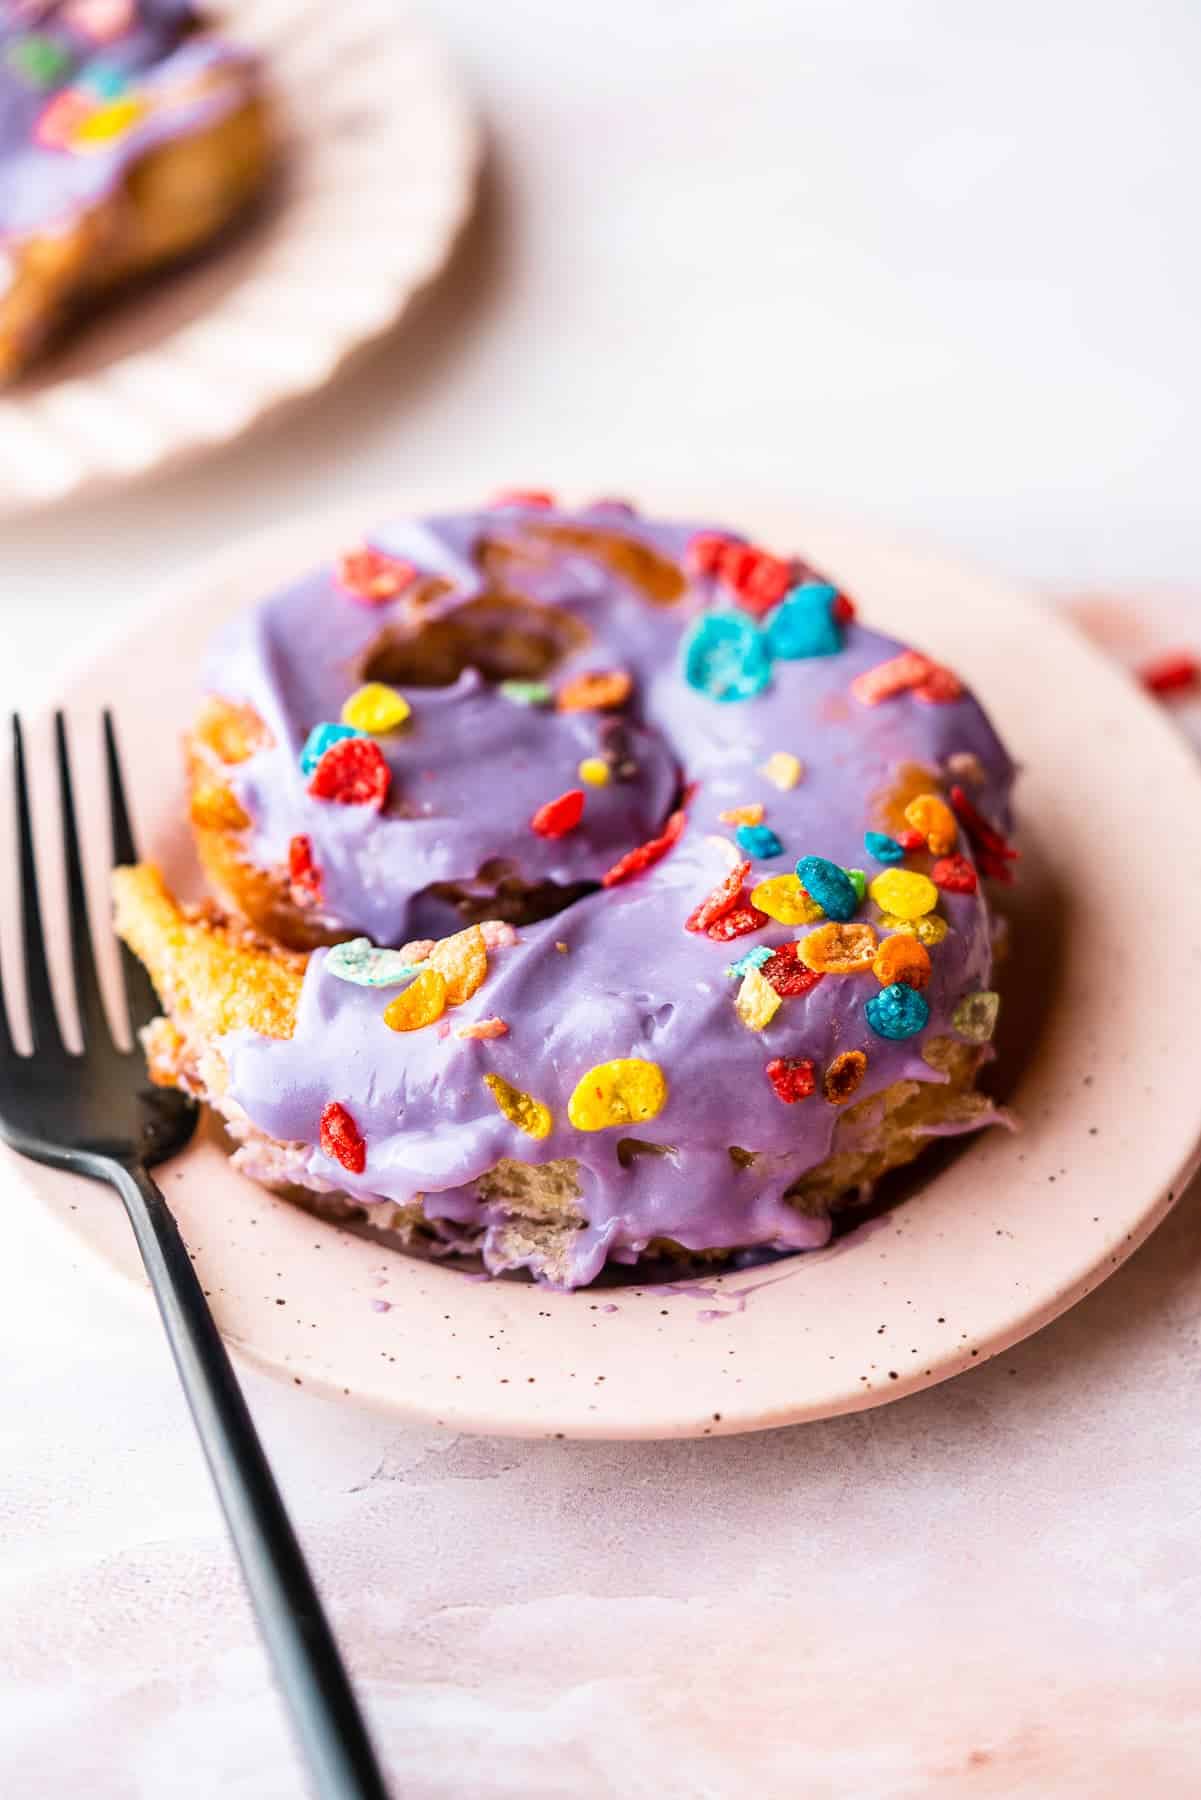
[1098, 1059]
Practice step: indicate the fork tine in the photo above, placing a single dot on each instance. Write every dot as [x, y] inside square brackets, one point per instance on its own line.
[141, 999]
[87, 986]
[43, 1020]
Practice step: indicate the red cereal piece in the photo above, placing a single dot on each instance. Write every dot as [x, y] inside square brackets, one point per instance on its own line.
[304, 877]
[341, 1138]
[899, 673]
[785, 971]
[737, 923]
[61, 117]
[1170, 674]
[704, 552]
[371, 575]
[559, 816]
[793, 1078]
[723, 899]
[843, 609]
[993, 852]
[955, 875]
[636, 861]
[523, 497]
[940, 687]
[909, 839]
[352, 772]
[759, 580]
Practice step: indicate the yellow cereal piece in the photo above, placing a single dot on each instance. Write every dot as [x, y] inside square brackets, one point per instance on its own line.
[936, 822]
[423, 1001]
[594, 771]
[756, 1001]
[375, 708]
[627, 1091]
[743, 815]
[905, 893]
[930, 931]
[783, 770]
[783, 898]
[902, 958]
[521, 1109]
[462, 961]
[108, 122]
[836, 949]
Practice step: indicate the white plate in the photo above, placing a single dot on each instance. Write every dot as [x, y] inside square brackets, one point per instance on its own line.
[377, 174]
[1100, 1048]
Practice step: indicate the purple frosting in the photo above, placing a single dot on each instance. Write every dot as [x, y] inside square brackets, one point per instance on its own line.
[154, 58]
[614, 974]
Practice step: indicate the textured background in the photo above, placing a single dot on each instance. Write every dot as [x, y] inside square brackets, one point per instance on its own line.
[930, 263]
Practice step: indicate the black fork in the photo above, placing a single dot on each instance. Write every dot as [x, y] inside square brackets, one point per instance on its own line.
[95, 1113]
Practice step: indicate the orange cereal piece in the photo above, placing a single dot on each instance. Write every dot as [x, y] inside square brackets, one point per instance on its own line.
[215, 808]
[843, 1076]
[233, 732]
[596, 690]
[902, 958]
[423, 1001]
[743, 815]
[462, 961]
[836, 949]
[936, 822]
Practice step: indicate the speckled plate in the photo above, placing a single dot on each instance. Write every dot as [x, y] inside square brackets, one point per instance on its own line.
[377, 169]
[1099, 1059]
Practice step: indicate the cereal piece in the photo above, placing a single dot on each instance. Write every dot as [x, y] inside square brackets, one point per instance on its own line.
[463, 960]
[783, 898]
[993, 852]
[930, 930]
[896, 676]
[420, 1003]
[743, 815]
[843, 610]
[627, 1091]
[885, 849]
[858, 882]
[788, 974]
[106, 123]
[932, 816]
[905, 893]
[910, 839]
[418, 950]
[61, 118]
[965, 765]
[758, 579]
[838, 949]
[537, 498]
[756, 1001]
[482, 1028]
[341, 1139]
[902, 958]
[594, 770]
[783, 770]
[954, 875]
[521, 1109]
[596, 690]
[498, 934]
[843, 1076]
[527, 693]
[1173, 674]
[897, 1012]
[214, 807]
[322, 738]
[723, 898]
[975, 1018]
[759, 841]
[304, 877]
[750, 959]
[365, 964]
[829, 885]
[726, 657]
[352, 773]
[559, 816]
[38, 60]
[371, 575]
[940, 687]
[704, 552]
[803, 624]
[792, 1077]
[736, 923]
[636, 862]
[233, 732]
[375, 708]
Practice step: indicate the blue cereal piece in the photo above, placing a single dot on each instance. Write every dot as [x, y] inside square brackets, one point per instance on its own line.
[750, 959]
[319, 741]
[804, 625]
[897, 1012]
[726, 657]
[885, 849]
[830, 886]
[759, 841]
[367, 965]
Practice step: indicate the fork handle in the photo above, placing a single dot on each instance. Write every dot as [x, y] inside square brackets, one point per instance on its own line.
[308, 1667]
